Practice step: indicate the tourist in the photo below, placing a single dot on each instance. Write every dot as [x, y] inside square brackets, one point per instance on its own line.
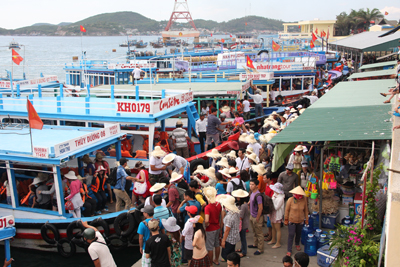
[231, 156]
[226, 110]
[214, 155]
[100, 162]
[98, 249]
[245, 177]
[226, 176]
[242, 163]
[51, 191]
[301, 259]
[268, 192]
[258, 99]
[303, 174]
[177, 164]
[296, 212]
[233, 260]
[242, 198]
[156, 167]
[231, 226]
[221, 184]
[173, 193]
[287, 261]
[180, 138]
[222, 163]
[41, 201]
[313, 97]
[89, 203]
[90, 169]
[256, 220]
[288, 179]
[160, 212]
[246, 108]
[253, 144]
[296, 158]
[235, 183]
[144, 233]
[136, 74]
[212, 128]
[158, 246]
[200, 257]
[174, 235]
[156, 189]
[201, 129]
[212, 222]
[195, 187]
[222, 126]
[187, 235]
[276, 216]
[142, 184]
[260, 170]
[123, 201]
[74, 196]
[188, 201]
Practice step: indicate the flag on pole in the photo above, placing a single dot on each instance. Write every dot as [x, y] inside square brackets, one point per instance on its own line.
[316, 30]
[275, 46]
[222, 40]
[386, 13]
[16, 58]
[312, 44]
[327, 35]
[313, 37]
[230, 35]
[83, 29]
[323, 34]
[34, 120]
[249, 63]
[211, 34]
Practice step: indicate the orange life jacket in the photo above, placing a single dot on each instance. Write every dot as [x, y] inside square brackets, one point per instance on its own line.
[25, 200]
[2, 189]
[96, 185]
[146, 145]
[126, 145]
[84, 192]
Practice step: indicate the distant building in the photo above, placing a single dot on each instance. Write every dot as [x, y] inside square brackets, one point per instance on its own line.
[304, 29]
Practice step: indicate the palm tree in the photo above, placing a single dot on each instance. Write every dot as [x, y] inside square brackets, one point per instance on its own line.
[365, 17]
[342, 23]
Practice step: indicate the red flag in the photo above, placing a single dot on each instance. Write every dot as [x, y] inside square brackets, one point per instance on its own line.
[323, 34]
[230, 35]
[312, 44]
[313, 37]
[16, 57]
[316, 30]
[275, 46]
[299, 26]
[327, 35]
[249, 63]
[211, 34]
[83, 29]
[246, 23]
[386, 13]
[34, 120]
[222, 40]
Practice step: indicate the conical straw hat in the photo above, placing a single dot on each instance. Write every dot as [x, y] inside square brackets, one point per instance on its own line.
[298, 191]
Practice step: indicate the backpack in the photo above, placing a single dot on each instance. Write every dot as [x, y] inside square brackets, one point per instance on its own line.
[237, 186]
[181, 192]
[112, 178]
[268, 205]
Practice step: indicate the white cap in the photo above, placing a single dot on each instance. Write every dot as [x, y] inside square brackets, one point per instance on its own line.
[287, 108]
[299, 106]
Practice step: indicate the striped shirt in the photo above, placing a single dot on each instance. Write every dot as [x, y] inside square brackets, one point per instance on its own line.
[161, 212]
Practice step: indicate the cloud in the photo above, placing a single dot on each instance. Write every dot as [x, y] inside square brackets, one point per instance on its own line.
[394, 12]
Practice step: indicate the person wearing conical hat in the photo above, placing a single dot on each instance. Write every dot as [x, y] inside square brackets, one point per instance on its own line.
[156, 168]
[296, 212]
[179, 165]
[242, 199]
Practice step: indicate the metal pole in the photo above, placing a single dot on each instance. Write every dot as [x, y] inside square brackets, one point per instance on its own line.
[321, 171]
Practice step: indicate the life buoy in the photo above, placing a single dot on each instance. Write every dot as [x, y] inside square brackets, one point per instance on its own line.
[117, 243]
[124, 224]
[71, 227]
[78, 241]
[62, 250]
[44, 232]
[279, 98]
[197, 162]
[102, 223]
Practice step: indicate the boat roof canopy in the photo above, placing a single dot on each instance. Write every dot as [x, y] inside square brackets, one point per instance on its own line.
[368, 74]
[338, 116]
[378, 65]
[368, 42]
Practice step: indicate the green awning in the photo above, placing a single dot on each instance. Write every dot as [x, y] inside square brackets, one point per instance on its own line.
[367, 74]
[378, 65]
[350, 111]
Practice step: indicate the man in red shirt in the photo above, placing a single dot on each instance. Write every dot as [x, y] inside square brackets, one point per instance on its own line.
[212, 221]
[173, 194]
[269, 192]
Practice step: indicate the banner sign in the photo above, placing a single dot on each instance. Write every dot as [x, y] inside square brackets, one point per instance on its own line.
[143, 64]
[257, 76]
[246, 85]
[86, 140]
[155, 106]
[40, 152]
[7, 84]
[279, 66]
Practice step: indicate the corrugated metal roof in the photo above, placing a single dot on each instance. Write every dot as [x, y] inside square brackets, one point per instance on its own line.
[367, 74]
[366, 40]
[350, 111]
[378, 65]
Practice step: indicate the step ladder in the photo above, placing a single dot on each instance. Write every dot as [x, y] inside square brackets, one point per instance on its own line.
[193, 116]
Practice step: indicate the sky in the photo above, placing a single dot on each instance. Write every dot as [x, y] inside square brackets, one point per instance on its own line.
[16, 14]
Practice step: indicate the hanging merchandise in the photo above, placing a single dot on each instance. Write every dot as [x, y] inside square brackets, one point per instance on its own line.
[312, 186]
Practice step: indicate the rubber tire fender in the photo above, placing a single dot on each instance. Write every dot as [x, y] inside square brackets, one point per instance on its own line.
[43, 231]
[197, 162]
[279, 98]
[61, 250]
[118, 226]
[102, 223]
[115, 248]
[71, 227]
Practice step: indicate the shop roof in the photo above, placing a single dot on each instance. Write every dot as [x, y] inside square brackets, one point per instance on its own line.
[367, 74]
[378, 65]
[350, 111]
[369, 41]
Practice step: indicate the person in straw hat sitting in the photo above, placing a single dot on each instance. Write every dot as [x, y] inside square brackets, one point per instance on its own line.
[253, 144]
[156, 166]
[211, 178]
[156, 189]
[178, 164]
[231, 226]
[296, 212]
[212, 214]
[242, 199]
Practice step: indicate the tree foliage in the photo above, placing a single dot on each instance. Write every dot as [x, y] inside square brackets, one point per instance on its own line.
[356, 21]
